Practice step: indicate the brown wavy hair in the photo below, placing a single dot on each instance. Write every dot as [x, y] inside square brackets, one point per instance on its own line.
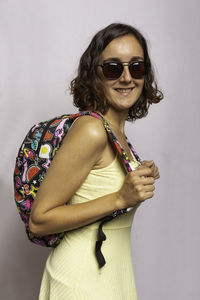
[87, 88]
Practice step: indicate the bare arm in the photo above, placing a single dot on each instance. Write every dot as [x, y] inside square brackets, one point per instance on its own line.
[81, 149]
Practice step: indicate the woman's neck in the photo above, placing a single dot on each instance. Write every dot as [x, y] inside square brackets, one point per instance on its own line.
[116, 119]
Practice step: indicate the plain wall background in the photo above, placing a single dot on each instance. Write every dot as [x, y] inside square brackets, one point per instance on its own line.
[40, 46]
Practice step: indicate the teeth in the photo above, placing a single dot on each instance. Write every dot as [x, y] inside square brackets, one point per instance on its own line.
[124, 90]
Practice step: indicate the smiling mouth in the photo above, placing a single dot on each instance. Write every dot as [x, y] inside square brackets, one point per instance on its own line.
[124, 91]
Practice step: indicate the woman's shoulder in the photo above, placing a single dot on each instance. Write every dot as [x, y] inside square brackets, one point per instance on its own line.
[90, 127]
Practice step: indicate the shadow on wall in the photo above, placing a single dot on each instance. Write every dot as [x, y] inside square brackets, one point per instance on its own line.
[21, 262]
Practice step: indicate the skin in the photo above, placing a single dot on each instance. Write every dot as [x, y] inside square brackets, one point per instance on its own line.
[123, 49]
[87, 145]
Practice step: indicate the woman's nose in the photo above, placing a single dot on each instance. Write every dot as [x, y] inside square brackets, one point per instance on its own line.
[126, 76]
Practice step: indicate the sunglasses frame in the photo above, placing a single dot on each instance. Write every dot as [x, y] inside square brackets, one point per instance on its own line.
[122, 64]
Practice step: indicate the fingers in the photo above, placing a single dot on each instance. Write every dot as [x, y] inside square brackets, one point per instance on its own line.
[147, 180]
[157, 176]
[153, 167]
[138, 185]
[147, 195]
[149, 188]
[145, 187]
[142, 171]
[147, 163]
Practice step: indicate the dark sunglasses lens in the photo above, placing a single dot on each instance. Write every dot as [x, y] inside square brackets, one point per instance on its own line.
[137, 69]
[112, 70]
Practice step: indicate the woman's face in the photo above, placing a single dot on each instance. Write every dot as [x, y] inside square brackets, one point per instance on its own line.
[123, 92]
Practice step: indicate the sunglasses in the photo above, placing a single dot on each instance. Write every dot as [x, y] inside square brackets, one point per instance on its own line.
[113, 70]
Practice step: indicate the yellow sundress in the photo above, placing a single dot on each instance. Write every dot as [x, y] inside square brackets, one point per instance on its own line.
[71, 271]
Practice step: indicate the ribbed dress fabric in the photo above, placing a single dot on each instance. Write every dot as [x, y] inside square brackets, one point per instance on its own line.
[71, 271]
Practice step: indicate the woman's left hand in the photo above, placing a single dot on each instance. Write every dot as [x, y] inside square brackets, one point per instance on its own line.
[153, 167]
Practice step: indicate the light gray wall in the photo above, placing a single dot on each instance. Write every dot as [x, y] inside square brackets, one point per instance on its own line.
[40, 44]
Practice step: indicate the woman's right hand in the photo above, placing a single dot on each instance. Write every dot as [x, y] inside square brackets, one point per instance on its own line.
[138, 186]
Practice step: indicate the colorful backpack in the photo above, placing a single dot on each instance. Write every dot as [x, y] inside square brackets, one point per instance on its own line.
[33, 160]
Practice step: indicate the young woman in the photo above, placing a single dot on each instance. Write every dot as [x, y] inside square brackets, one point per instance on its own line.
[115, 78]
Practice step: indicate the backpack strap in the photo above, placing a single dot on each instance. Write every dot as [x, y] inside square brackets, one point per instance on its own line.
[128, 167]
[126, 161]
